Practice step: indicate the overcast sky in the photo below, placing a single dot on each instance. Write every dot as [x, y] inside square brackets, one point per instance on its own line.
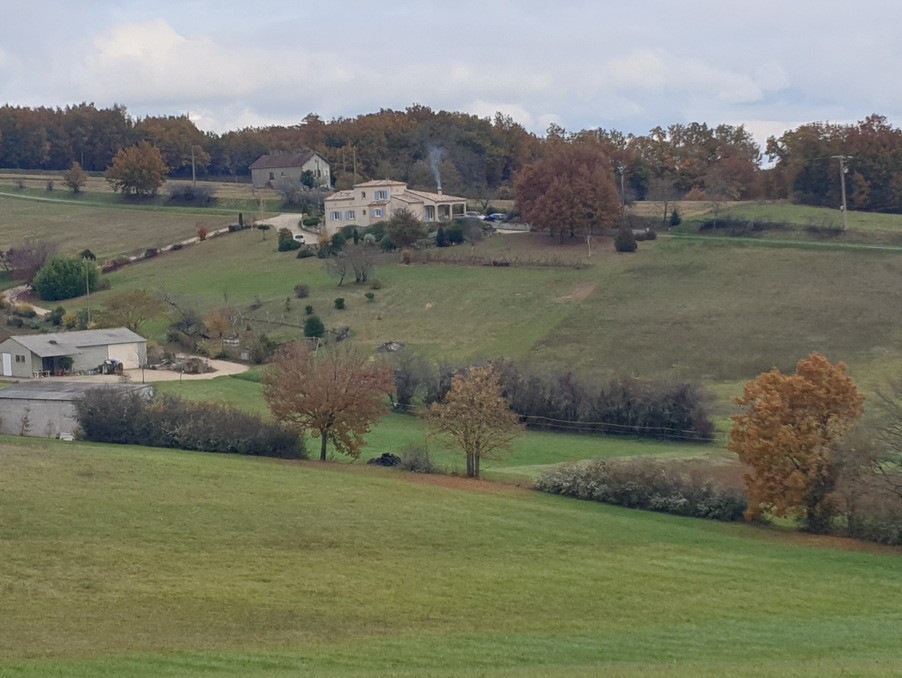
[629, 65]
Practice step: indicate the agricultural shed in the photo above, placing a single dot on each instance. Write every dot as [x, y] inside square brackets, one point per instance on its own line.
[46, 409]
[34, 355]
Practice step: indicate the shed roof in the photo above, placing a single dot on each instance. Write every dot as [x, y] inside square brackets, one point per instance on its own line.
[69, 343]
[54, 389]
[274, 160]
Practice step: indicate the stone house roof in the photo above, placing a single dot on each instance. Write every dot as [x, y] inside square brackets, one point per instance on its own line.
[276, 160]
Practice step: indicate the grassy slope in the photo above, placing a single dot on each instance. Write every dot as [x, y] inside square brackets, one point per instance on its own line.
[710, 311]
[142, 562]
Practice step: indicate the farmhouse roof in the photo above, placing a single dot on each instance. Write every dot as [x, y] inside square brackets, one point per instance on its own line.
[271, 161]
[339, 195]
[69, 343]
[436, 197]
[380, 182]
[62, 390]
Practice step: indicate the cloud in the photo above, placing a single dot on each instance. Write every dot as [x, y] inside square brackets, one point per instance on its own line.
[658, 71]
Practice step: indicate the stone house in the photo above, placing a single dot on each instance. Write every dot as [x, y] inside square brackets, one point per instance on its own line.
[268, 170]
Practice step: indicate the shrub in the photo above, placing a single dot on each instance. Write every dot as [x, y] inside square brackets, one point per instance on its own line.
[302, 291]
[675, 217]
[25, 311]
[202, 231]
[651, 234]
[56, 316]
[311, 221]
[151, 252]
[289, 245]
[314, 327]
[340, 303]
[176, 247]
[455, 233]
[49, 186]
[112, 416]
[337, 242]
[308, 310]
[65, 278]
[681, 487]
[625, 240]
[305, 252]
[375, 284]
[370, 296]
[415, 457]
[406, 256]
[200, 193]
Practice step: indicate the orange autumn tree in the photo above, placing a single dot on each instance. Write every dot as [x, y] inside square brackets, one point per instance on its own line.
[785, 438]
[337, 396]
[476, 416]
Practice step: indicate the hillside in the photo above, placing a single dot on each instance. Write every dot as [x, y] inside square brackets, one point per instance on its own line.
[149, 562]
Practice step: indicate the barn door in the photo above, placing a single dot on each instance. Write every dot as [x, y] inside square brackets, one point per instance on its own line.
[7, 365]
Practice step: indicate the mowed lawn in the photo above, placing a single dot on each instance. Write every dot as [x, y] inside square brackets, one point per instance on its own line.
[130, 561]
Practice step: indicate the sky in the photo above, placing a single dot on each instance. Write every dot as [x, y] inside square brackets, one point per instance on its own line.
[769, 65]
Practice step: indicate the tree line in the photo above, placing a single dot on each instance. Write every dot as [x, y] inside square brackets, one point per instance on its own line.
[483, 156]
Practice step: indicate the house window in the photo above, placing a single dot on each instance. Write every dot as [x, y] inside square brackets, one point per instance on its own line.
[378, 212]
[350, 216]
[272, 176]
[335, 216]
[364, 212]
[381, 195]
[362, 194]
[20, 358]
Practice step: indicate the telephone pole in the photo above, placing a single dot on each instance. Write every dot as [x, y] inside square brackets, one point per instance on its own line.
[842, 182]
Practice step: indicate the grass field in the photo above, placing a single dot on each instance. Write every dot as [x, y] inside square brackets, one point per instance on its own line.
[157, 563]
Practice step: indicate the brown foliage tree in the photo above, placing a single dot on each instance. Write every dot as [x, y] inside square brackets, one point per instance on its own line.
[139, 170]
[130, 309]
[219, 323]
[75, 178]
[476, 416]
[570, 192]
[338, 396]
[785, 435]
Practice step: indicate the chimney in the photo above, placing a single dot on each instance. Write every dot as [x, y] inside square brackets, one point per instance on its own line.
[439, 190]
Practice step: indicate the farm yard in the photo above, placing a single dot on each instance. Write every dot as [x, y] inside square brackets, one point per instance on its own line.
[139, 561]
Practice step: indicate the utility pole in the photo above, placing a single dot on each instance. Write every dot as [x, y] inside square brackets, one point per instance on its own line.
[842, 181]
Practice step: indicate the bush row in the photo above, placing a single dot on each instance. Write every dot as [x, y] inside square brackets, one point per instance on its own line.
[111, 416]
[626, 406]
[680, 487]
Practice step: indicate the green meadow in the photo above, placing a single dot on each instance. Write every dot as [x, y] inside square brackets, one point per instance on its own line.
[132, 561]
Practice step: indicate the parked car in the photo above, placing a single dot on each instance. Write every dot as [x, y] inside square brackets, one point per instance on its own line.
[475, 215]
[496, 216]
[299, 237]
